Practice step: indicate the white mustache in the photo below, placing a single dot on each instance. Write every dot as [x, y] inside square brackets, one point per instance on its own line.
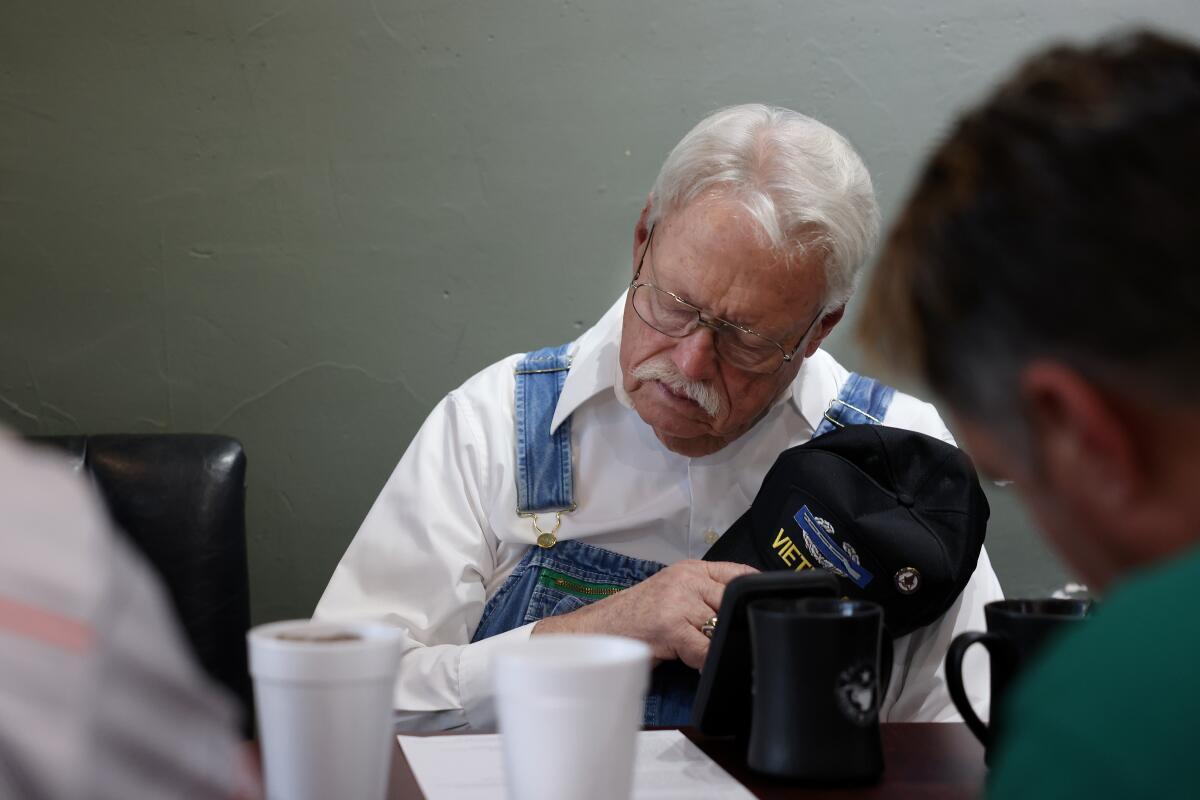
[662, 369]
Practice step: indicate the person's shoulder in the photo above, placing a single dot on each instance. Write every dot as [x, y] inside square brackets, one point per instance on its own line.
[1141, 640]
[24, 462]
[484, 384]
[485, 401]
[54, 532]
[1171, 581]
[905, 410]
[490, 390]
[1142, 629]
[44, 498]
[1113, 701]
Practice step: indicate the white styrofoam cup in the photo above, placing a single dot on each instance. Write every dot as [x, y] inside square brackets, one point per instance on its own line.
[569, 710]
[325, 708]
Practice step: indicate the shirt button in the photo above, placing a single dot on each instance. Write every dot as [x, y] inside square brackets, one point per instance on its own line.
[711, 536]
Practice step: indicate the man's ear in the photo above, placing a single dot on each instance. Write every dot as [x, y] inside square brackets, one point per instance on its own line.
[1082, 446]
[824, 327]
[641, 231]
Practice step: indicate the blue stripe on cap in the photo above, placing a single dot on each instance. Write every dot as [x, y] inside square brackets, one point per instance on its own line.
[831, 550]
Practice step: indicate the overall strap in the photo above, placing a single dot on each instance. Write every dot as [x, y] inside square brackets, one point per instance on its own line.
[544, 482]
[862, 401]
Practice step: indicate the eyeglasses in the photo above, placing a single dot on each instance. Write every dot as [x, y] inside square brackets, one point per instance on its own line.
[736, 345]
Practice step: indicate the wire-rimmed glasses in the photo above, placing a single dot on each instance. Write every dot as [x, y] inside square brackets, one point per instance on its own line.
[736, 345]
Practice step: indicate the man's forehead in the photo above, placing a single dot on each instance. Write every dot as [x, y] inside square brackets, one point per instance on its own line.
[717, 214]
[718, 258]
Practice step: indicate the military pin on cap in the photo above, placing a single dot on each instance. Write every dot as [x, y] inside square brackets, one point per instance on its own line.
[908, 580]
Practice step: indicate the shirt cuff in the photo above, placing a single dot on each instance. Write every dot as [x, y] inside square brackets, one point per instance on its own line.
[475, 676]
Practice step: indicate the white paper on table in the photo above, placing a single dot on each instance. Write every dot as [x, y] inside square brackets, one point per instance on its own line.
[669, 766]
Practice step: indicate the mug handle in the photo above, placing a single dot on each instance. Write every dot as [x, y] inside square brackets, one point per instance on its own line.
[954, 659]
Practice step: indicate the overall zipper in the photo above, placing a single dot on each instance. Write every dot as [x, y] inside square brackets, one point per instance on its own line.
[559, 581]
[591, 591]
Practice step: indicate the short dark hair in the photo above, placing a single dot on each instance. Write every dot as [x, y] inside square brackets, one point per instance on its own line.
[1061, 218]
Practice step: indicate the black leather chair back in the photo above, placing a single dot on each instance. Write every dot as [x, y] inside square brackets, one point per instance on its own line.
[181, 499]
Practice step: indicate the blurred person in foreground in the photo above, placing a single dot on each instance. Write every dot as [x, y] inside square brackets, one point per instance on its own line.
[572, 490]
[1044, 279]
[99, 697]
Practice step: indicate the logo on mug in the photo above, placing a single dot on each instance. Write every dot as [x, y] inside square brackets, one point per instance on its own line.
[857, 693]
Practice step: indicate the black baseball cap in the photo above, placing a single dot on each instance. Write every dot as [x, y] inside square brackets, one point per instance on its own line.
[898, 516]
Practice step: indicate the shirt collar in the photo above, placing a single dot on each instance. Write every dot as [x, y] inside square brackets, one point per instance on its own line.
[595, 367]
[815, 386]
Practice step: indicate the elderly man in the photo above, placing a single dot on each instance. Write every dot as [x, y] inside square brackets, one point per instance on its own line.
[570, 489]
[1044, 279]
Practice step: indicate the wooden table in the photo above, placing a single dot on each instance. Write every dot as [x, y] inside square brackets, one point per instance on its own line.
[933, 761]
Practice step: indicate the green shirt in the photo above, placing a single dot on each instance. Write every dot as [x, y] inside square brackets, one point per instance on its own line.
[1113, 710]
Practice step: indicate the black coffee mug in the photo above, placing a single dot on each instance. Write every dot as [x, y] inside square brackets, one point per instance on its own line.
[1017, 631]
[816, 690]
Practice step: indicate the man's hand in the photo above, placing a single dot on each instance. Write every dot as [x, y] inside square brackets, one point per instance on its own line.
[666, 610]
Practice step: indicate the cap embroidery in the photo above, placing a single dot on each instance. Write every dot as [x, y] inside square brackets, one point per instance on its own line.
[840, 559]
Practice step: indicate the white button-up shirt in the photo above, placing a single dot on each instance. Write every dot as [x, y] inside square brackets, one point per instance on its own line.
[444, 533]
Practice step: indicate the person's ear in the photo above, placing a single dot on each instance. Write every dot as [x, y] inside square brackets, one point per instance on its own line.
[824, 326]
[1083, 448]
[641, 231]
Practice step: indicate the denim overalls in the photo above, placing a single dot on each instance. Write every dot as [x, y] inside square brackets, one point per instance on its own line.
[560, 576]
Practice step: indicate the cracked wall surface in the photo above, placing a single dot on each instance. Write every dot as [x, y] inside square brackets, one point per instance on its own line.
[300, 223]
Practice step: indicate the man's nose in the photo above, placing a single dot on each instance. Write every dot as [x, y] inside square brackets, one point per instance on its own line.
[696, 354]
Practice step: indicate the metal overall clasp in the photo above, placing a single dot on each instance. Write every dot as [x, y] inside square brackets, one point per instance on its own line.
[838, 401]
[546, 538]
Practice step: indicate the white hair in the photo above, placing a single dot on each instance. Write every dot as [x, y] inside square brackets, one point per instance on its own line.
[799, 179]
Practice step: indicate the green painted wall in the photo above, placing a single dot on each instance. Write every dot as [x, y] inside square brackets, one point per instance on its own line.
[301, 222]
